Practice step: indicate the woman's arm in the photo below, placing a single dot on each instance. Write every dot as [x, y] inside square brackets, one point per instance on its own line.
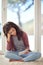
[26, 41]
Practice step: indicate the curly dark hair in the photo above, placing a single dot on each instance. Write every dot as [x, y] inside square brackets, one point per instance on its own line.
[9, 25]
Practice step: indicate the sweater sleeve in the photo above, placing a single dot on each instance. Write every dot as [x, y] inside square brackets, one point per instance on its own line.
[10, 46]
[26, 41]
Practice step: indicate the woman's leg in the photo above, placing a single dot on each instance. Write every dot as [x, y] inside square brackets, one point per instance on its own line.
[12, 55]
[31, 56]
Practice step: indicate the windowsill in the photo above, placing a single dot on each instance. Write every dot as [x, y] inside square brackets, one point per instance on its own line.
[1, 53]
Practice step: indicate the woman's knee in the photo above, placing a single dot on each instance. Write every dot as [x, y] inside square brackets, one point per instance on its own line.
[38, 54]
[7, 54]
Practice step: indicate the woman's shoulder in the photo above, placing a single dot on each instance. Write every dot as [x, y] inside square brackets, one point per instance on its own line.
[24, 34]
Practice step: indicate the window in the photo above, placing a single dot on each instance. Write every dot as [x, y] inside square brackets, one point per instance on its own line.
[23, 15]
[42, 27]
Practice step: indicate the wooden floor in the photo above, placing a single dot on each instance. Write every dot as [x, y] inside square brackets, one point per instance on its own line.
[4, 61]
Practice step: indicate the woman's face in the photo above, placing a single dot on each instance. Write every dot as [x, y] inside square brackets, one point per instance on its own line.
[12, 31]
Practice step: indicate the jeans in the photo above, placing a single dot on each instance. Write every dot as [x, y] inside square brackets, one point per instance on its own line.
[31, 56]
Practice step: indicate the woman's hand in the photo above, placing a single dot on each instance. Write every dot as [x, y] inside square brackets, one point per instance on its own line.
[24, 52]
[8, 37]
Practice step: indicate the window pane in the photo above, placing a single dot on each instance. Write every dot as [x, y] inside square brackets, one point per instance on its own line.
[42, 27]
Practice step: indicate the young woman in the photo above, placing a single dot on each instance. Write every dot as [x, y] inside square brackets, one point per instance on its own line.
[17, 44]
